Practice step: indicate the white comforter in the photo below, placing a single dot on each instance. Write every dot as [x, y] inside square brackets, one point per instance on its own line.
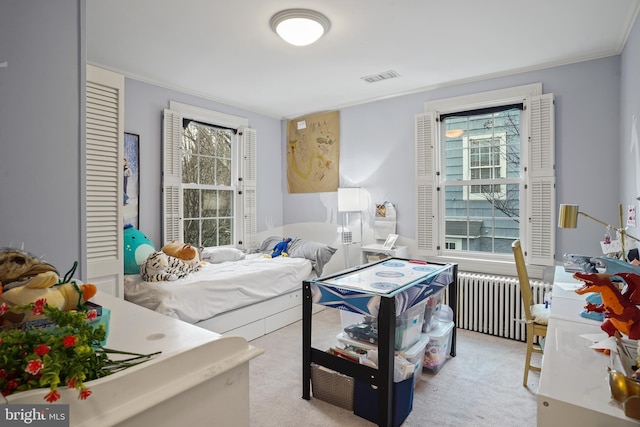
[218, 288]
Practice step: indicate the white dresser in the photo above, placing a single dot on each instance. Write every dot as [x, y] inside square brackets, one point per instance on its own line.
[200, 378]
[574, 388]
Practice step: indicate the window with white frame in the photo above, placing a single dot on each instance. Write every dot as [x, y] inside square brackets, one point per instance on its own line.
[485, 176]
[208, 178]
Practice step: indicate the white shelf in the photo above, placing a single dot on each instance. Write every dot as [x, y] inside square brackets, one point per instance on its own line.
[377, 249]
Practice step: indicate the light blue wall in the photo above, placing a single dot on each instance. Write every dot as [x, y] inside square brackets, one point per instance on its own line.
[377, 148]
[144, 104]
[630, 109]
[41, 139]
[40, 127]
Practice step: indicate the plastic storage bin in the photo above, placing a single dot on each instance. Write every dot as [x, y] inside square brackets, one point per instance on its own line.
[365, 401]
[432, 309]
[408, 326]
[437, 349]
[415, 354]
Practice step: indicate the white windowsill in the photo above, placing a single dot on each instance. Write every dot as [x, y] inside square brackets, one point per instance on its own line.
[498, 267]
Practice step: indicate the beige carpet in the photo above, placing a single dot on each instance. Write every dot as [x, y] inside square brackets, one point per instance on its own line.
[481, 386]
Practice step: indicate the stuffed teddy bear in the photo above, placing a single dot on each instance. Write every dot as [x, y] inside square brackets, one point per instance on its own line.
[66, 296]
[183, 251]
[280, 249]
[162, 267]
[137, 248]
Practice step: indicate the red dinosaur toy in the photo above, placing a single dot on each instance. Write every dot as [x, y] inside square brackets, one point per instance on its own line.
[621, 312]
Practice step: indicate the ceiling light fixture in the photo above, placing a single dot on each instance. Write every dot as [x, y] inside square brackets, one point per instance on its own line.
[299, 27]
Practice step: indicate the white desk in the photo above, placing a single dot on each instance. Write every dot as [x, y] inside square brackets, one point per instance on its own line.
[201, 378]
[574, 388]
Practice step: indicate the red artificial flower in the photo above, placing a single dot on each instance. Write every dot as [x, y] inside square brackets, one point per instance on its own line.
[69, 341]
[72, 382]
[3, 308]
[38, 306]
[84, 393]
[52, 396]
[92, 314]
[34, 367]
[41, 350]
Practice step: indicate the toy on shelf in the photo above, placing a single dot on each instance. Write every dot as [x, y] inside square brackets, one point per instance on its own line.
[620, 311]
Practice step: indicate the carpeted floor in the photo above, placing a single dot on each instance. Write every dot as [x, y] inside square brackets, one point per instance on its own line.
[481, 386]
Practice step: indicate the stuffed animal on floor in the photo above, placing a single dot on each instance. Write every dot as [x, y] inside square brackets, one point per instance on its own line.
[183, 251]
[162, 267]
[137, 248]
[66, 296]
[280, 249]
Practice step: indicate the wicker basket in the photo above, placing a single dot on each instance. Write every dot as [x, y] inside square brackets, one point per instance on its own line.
[332, 387]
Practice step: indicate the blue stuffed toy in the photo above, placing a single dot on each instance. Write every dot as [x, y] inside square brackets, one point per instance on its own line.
[280, 248]
[137, 248]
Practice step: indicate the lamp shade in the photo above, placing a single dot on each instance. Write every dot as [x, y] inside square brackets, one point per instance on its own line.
[299, 27]
[349, 199]
[568, 216]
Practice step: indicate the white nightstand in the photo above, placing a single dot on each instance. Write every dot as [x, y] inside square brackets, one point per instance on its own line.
[378, 250]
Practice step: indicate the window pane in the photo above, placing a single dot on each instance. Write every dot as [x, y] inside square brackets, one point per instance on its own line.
[209, 232]
[191, 203]
[209, 203]
[226, 203]
[223, 172]
[206, 170]
[206, 141]
[192, 232]
[224, 233]
[223, 146]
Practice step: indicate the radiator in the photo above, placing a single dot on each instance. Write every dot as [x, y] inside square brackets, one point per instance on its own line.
[493, 305]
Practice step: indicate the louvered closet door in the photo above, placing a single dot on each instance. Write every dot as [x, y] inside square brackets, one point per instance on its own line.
[104, 165]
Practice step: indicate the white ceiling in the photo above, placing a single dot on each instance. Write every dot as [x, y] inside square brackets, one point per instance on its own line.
[226, 51]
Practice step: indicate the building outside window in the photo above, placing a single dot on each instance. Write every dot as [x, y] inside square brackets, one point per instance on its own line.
[485, 176]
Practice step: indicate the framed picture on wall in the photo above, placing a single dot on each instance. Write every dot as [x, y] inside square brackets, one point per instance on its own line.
[131, 178]
[391, 240]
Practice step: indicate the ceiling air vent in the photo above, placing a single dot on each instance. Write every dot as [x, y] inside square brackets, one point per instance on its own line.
[381, 76]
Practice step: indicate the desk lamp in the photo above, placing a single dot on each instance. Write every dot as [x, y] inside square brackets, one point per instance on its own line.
[349, 201]
[568, 218]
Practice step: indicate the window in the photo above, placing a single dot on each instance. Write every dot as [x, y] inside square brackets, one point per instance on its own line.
[208, 178]
[485, 177]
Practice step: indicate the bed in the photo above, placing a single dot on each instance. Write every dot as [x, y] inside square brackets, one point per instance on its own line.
[236, 293]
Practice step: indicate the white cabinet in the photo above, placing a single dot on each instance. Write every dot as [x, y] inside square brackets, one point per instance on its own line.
[376, 252]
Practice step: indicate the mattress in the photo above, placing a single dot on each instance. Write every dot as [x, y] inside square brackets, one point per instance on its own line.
[218, 288]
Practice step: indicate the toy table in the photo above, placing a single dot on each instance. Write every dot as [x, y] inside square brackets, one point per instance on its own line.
[384, 289]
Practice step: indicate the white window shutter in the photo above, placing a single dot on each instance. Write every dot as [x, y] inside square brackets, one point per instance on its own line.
[248, 176]
[540, 246]
[172, 177]
[104, 183]
[426, 194]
